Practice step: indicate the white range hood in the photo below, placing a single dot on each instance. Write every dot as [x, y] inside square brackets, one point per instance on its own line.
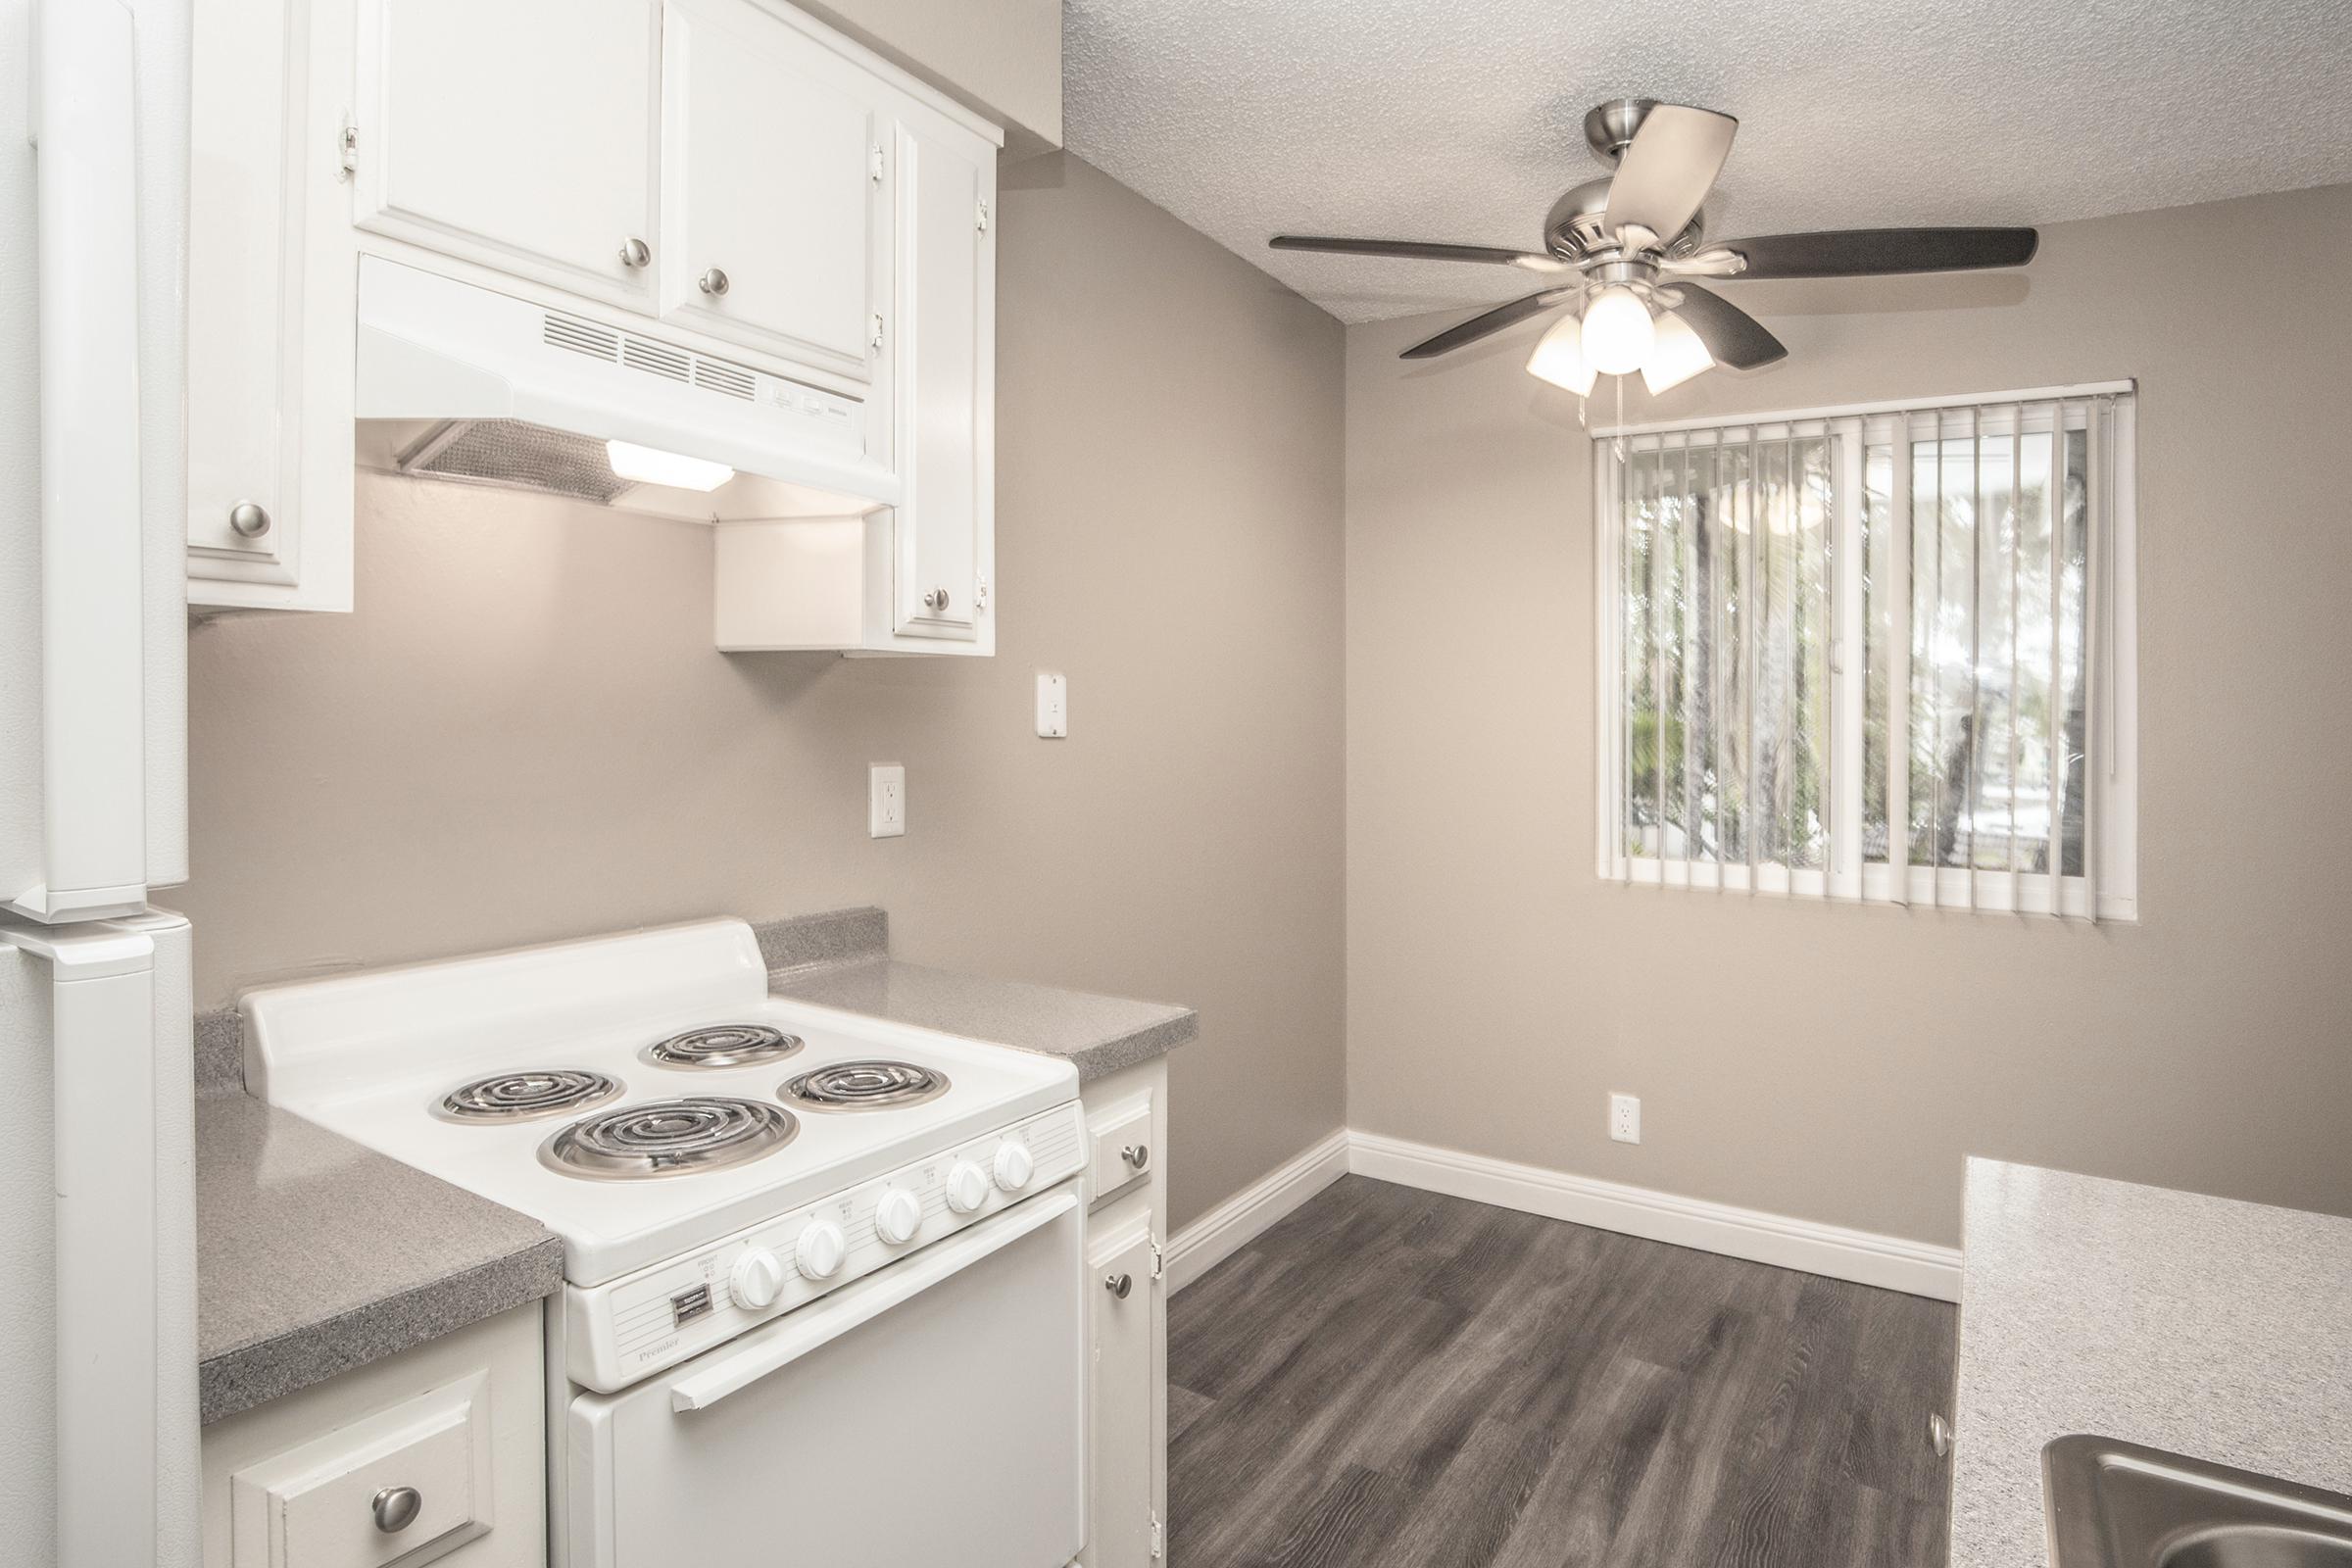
[517, 393]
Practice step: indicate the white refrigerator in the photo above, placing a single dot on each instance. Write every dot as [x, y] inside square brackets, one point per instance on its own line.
[98, 1444]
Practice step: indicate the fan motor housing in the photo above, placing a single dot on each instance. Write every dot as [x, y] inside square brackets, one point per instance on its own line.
[1572, 229]
[1609, 127]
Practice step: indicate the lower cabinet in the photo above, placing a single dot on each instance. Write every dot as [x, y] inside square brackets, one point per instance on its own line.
[1122, 1443]
[1126, 1117]
[433, 1456]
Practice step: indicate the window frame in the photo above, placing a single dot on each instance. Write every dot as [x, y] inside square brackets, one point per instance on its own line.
[2108, 410]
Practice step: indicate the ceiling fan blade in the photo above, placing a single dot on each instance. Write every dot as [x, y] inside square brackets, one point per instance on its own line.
[1868, 252]
[1732, 335]
[1668, 170]
[1713, 262]
[1419, 251]
[1491, 323]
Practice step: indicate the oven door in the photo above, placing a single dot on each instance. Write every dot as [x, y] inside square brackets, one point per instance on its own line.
[932, 1414]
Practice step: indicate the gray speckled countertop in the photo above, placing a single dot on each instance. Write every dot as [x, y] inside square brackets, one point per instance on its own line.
[314, 1255]
[1098, 1034]
[2217, 1329]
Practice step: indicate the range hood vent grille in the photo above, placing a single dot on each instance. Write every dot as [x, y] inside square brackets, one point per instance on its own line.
[717, 375]
[520, 456]
[656, 360]
[633, 353]
[582, 337]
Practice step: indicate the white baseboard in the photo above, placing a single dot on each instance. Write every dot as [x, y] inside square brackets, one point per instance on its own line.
[1888, 1261]
[1831, 1250]
[1248, 1213]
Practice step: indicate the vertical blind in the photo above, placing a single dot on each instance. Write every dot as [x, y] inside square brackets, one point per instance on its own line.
[1870, 652]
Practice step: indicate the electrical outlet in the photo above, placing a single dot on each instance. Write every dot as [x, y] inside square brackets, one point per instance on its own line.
[1053, 705]
[886, 800]
[1625, 1118]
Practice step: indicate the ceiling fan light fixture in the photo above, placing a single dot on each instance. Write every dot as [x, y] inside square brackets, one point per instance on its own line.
[1618, 333]
[1559, 357]
[1675, 356]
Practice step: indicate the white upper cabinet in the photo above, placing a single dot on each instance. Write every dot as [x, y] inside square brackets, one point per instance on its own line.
[270, 339]
[723, 200]
[773, 170]
[946, 293]
[518, 133]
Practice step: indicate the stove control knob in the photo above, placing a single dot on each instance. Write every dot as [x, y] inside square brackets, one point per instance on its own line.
[967, 1187]
[820, 1250]
[756, 1279]
[1014, 1165]
[898, 1216]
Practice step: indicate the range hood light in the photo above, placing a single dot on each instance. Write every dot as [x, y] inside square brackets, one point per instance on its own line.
[652, 466]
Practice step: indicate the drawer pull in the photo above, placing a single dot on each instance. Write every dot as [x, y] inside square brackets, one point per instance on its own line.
[1137, 1154]
[396, 1508]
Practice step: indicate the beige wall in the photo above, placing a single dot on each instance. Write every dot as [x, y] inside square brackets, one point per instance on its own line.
[523, 732]
[1002, 57]
[1836, 1063]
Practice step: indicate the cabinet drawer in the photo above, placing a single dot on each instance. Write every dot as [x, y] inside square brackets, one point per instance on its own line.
[1121, 1145]
[344, 1499]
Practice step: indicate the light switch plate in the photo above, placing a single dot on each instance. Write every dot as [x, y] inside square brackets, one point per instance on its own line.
[886, 800]
[1053, 705]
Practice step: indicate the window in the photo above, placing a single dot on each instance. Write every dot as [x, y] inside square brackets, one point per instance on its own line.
[1880, 653]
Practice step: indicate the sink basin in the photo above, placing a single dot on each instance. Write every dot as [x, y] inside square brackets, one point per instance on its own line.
[2114, 1505]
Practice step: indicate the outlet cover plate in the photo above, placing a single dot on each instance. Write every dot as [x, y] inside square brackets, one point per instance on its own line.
[886, 800]
[1625, 1118]
[1053, 705]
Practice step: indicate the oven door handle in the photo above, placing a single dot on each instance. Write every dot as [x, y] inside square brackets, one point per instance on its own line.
[827, 1319]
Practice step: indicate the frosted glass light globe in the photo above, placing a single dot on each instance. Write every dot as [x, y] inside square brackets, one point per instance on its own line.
[1618, 332]
[1559, 357]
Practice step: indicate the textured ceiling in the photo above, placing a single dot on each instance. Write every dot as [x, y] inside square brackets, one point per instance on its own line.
[1459, 120]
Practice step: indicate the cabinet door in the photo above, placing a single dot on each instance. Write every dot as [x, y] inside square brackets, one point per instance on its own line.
[518, 133]
[947, 357]
[1122, 1433]
[269, 432]
[244, 254]
[771, 175]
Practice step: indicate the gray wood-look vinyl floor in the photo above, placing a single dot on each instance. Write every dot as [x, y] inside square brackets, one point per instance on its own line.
[1392, 1378]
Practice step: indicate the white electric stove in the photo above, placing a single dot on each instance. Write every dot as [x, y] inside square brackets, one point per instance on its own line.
[812, 1257]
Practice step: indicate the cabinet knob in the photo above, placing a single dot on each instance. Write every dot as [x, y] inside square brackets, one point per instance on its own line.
[936, 600]
[396, 1508]
[635, 252]
[249, 520]
[1119, 1285]
[1137, 1154]
[714, 282]
[1939, 1435]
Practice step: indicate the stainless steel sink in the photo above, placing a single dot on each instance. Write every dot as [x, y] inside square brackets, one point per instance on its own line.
[2115, 1504]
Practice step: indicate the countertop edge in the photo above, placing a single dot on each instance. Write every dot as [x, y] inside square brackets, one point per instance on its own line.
[255, 1373]
[1117, 1052]
[1159, 1028]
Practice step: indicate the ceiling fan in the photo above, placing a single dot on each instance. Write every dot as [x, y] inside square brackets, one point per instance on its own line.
[1626, 249]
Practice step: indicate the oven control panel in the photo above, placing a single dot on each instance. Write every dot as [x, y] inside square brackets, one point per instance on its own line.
[624, 1328]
